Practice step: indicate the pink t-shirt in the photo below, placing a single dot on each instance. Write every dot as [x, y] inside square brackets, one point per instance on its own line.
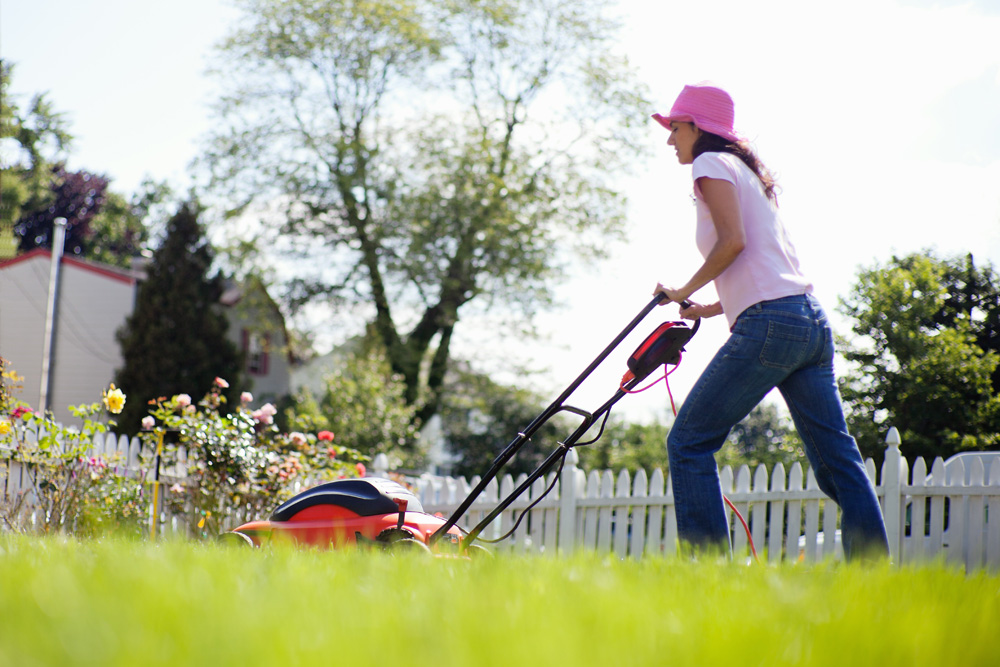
[768, 267]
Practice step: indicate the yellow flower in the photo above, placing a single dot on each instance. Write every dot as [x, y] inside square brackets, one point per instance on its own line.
[114, 399]
[4, 427]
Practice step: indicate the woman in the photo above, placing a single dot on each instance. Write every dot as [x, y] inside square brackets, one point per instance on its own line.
[779, 335]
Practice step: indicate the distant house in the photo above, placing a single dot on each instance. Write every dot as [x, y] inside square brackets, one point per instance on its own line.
[257, 327]
[94, 301]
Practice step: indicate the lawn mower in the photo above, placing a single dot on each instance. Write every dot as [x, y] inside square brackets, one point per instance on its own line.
[382, 513]
[370, 511]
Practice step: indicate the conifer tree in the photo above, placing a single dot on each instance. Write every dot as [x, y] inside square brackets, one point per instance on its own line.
[175, 340]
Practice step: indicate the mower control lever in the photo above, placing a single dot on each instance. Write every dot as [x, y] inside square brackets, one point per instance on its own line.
[401, 503]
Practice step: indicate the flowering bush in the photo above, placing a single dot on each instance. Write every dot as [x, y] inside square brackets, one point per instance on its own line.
[70, 489]
[237, 460]
[234, 461]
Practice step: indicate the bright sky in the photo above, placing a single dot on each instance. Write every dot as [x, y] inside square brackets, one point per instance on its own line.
[880, 117]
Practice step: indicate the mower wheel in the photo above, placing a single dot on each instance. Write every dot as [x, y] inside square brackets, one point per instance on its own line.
[397, 540]
[236, 539]
[478, 551]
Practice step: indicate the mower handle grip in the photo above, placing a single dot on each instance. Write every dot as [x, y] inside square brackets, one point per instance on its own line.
[661, 297]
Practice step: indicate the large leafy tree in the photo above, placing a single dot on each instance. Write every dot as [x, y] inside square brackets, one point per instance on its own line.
[34, 138]
[420, 156]
[175, 340]
[36, 188]
[75, 196]
[925, 355]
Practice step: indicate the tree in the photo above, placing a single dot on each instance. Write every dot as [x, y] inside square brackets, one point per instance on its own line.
[427, 155]
[924, 357]
[765, 438]
[75, 196]
[121, 229]
[480, 417]
[41, 137]
[36, 188]
[175, 340]
[628, 446]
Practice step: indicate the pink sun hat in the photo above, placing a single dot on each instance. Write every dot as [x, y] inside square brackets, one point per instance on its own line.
[709, 107]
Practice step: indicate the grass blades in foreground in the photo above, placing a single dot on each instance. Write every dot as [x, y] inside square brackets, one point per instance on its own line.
[64, 602]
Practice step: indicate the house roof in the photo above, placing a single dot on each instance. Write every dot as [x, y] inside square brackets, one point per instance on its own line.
[105, 270]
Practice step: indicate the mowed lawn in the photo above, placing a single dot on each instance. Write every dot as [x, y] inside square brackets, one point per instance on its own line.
[66, 602]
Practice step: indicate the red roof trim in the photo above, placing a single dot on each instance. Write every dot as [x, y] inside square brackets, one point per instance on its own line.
[112, 272]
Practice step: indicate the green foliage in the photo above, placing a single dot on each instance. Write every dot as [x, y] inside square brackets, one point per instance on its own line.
[175, 340]
[237, 459]
[628, 446]
[417, 213]
[119, 231]
[765, 438]
[41, 138]
[363, 404]
[925, 355]
[69, 491]
[480, 417]
[36, 188]
[69, 603]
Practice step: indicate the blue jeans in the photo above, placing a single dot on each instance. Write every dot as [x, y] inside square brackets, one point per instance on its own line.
[785, 343]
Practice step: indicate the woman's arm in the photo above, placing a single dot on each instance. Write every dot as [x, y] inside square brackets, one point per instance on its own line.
[724, 205]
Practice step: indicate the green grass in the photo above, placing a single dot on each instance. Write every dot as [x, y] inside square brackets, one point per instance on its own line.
[66, 602]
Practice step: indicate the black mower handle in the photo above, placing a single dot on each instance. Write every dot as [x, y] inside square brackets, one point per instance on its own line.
[557, 406]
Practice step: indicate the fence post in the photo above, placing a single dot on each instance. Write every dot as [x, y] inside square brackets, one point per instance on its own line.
[567, 503]
[892, 493]
[380, 466]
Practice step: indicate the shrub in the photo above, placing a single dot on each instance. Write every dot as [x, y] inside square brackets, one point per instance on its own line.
[237, 461]
[68, 489]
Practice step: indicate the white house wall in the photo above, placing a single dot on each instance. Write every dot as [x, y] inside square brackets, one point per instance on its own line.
[92, 308]
[93, 304]
[23, 294]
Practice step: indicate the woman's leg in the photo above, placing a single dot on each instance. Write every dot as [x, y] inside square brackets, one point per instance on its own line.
[729, 388]
[836, 462]
[814, 401]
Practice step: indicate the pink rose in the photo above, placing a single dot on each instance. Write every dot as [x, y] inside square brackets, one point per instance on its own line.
[265, 415]
[183, 400]
[246, 397]
[360, 467]
[222, 384]
[148, 423]
[326, 436]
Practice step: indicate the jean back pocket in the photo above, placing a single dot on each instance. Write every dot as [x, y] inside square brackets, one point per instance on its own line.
[786, 346]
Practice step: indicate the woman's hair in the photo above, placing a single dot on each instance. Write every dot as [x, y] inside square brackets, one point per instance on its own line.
[713, 143]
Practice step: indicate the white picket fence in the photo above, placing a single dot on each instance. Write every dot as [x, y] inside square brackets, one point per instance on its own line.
[952, 513]
[927, 517]
[14, 475]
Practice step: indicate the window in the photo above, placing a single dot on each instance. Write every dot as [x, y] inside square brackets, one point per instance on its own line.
[255, 350]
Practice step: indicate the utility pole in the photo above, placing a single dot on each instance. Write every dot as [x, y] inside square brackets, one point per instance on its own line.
[51, 310]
